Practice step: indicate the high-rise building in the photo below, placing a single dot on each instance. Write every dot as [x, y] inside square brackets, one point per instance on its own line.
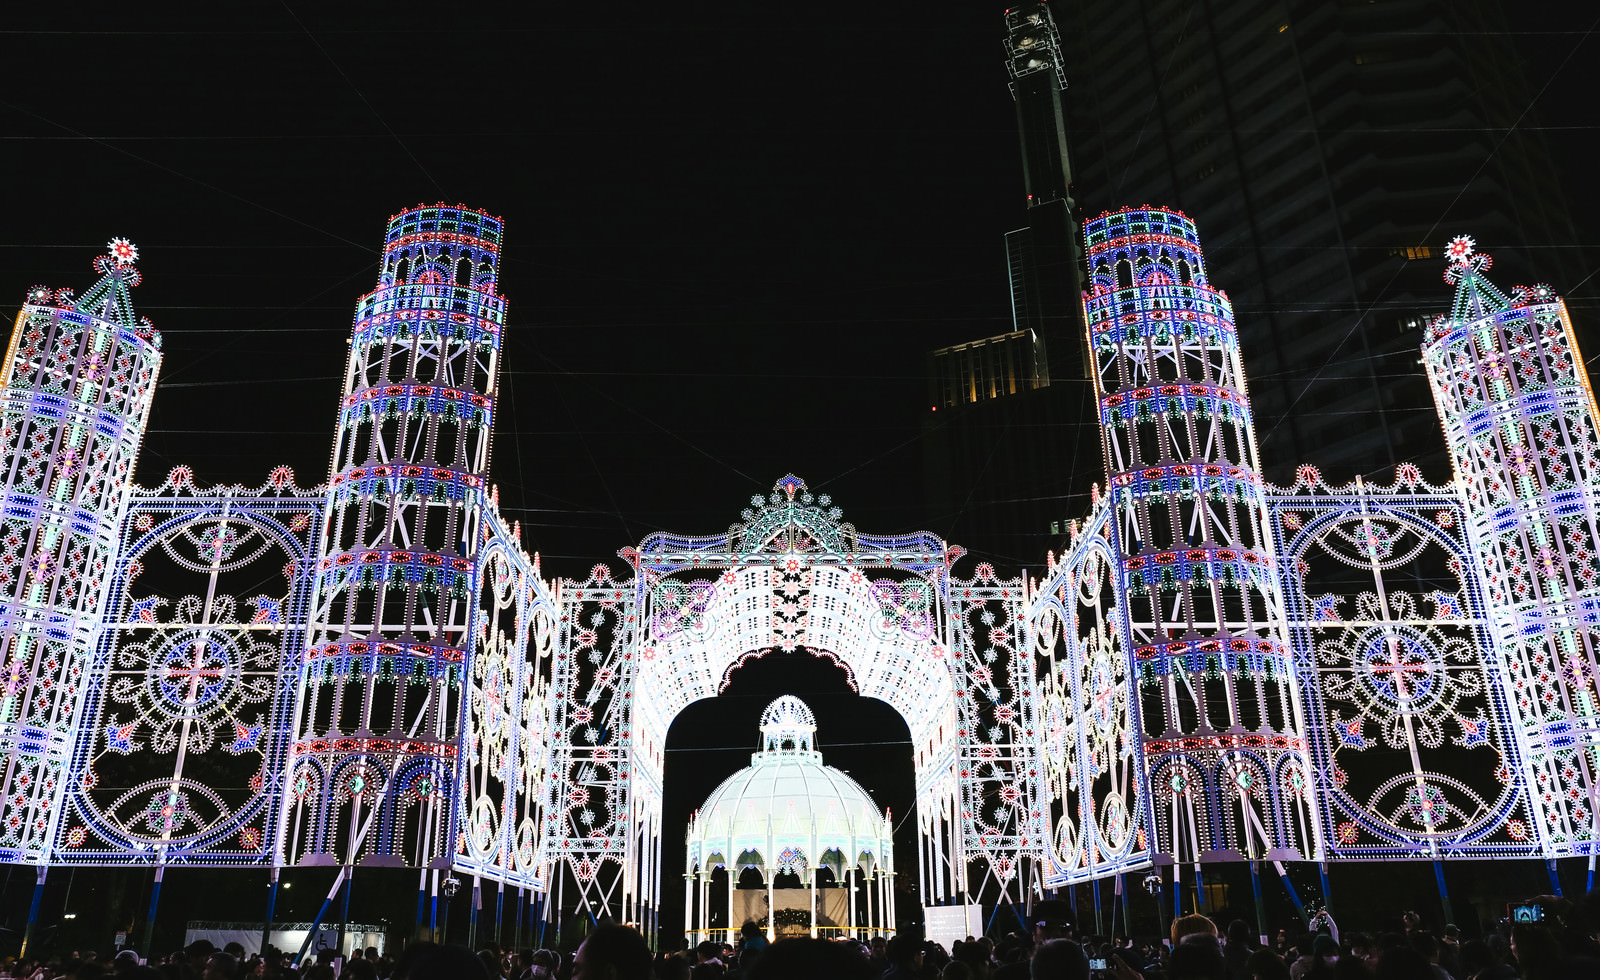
[1330, 150]
[1011, 414]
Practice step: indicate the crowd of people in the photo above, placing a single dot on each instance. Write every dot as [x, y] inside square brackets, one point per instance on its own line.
[1560, 940]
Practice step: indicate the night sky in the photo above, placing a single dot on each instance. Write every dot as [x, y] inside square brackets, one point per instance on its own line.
[732, 233]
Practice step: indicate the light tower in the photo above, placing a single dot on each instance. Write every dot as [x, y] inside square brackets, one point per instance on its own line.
[379, 721]
[1223, 735]
[74, 398]
[1519, 415]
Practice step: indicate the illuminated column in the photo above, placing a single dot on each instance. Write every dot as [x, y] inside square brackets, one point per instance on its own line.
[378, 723]
[1520, 419]
[1217, 693]
[74, 397]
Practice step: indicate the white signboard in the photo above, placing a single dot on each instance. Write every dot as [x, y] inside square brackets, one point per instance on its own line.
[949, 924]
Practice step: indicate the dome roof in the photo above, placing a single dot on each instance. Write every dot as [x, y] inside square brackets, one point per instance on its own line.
[787, 809]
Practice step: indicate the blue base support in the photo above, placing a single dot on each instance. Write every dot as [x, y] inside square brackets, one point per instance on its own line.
[33, 909]
[1444, 893]
[150, 915]
[1261, 911]
[1294, 896]
[344, 908]
[1099, 921]
[1199, 891]
[1127, 914]
[499, 908]
[1555, 878]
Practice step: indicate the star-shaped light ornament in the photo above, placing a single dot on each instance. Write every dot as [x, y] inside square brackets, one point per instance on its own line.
[1463, 258]
[122, 251]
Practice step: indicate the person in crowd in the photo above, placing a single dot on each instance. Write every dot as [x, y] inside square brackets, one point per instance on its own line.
[220, 966]
[1265, 964]
[1199, 958]
[905, 958]
[1401, 961]
[1320, 962]
[753, 938]
[1238, 948]
[709, 952]
[430, 961]
[1194, 925]
[1052, 919]
[878, 959]
[1059, 959]
[614, 952]
[1479, 962]
[1538, 953]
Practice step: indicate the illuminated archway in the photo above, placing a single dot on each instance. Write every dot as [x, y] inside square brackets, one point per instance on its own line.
[947, 655]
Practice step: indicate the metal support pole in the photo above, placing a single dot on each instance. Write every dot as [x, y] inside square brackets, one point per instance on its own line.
[1261, 912]
[1099, 915]
[872, 916]
[1555, 878]
[272, 910]
[1127, 912]
[322, 915]
[850, 901]
[433, 909]
[1199, 891]
[1444, 893]
[1294, 896]
[150, 914]
[1161, 913]
[38, 897]
[344, 905]
[516, 931]
[422, 904]
[772, 911]
[1177, 891]
[472, 913]
[499, 908]
[814, 876]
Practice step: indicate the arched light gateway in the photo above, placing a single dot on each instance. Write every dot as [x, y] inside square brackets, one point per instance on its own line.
[792, 575]
[788, 812]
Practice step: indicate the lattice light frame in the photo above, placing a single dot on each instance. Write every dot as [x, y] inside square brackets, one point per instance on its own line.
[181, 756]
[75, 395]
[1520, 419]
[1414, 750]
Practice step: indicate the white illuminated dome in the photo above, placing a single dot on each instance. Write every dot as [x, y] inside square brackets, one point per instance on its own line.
[787, 810]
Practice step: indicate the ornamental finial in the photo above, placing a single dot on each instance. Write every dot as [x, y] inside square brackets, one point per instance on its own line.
[122, 251]
[1464, 258]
